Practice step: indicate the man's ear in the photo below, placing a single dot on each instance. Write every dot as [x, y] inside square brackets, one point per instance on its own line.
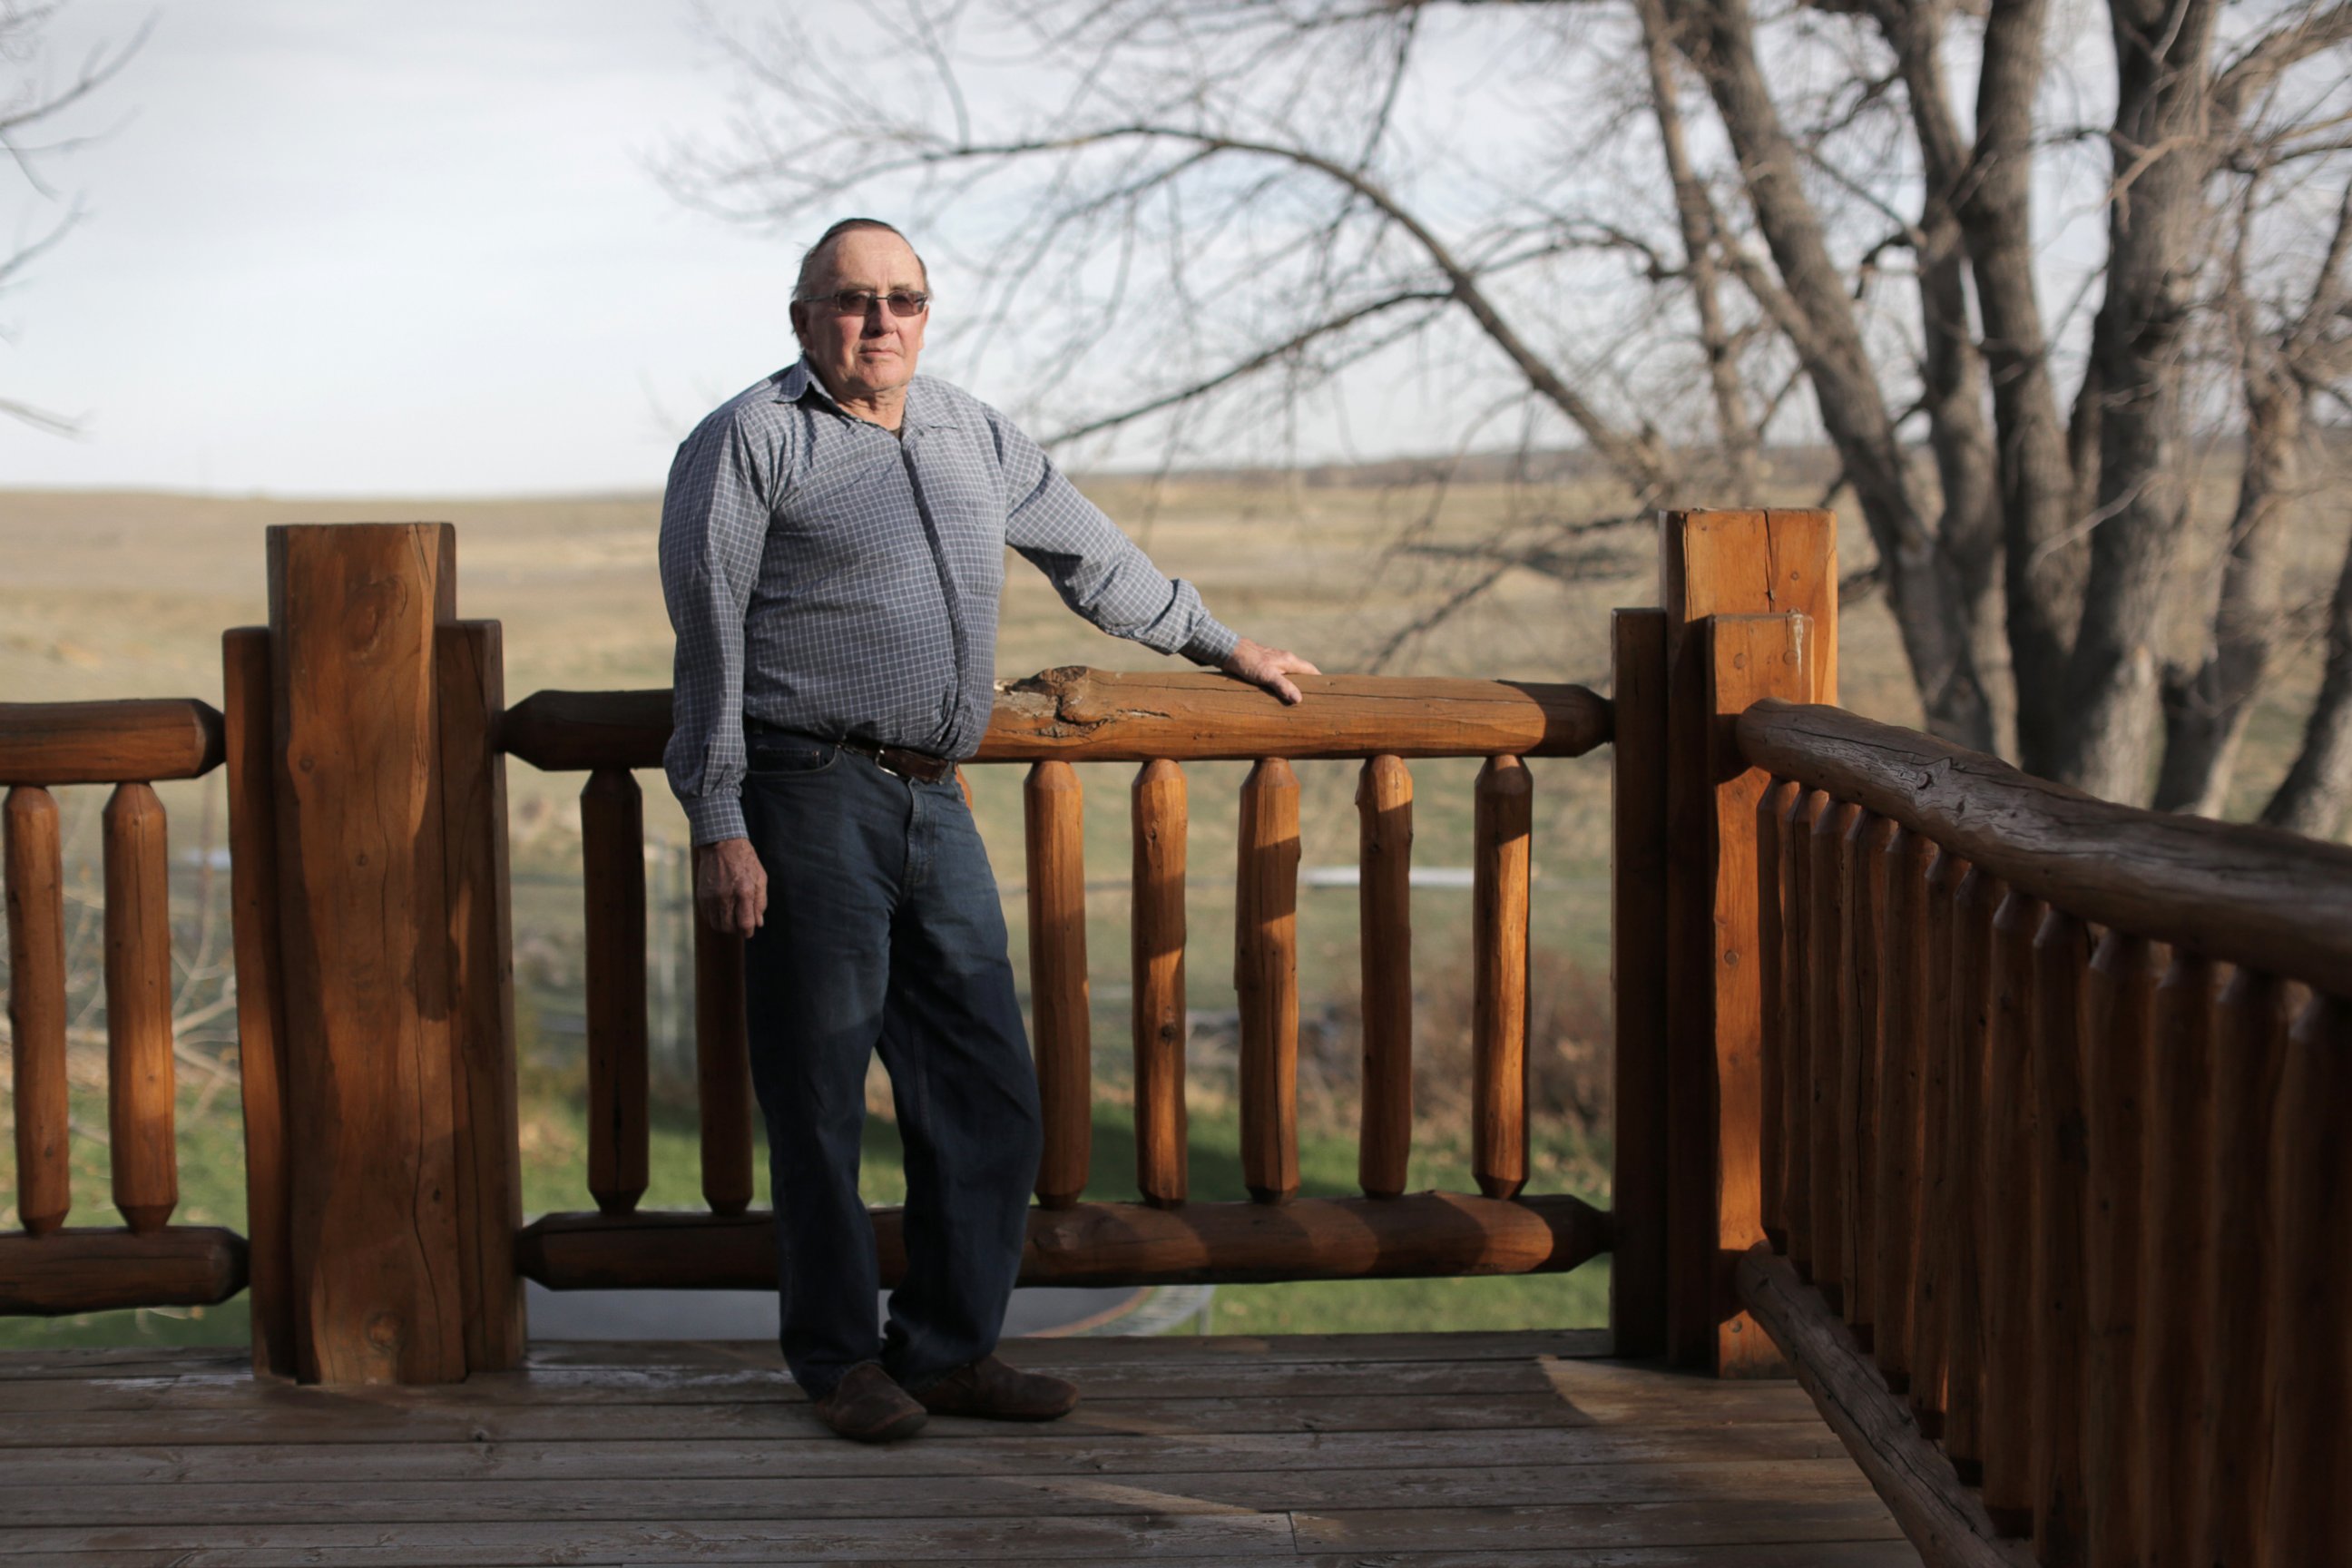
[800, 322]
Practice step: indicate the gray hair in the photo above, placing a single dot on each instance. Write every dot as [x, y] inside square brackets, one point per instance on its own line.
[811, 262]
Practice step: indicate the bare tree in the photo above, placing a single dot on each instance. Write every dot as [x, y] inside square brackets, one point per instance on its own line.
[1241, 202]
[32, 101]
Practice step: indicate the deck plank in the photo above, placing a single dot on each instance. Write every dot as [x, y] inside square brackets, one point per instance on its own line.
[1407, 1450]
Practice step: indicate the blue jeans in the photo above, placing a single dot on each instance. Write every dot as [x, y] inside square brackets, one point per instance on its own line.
[884, 930]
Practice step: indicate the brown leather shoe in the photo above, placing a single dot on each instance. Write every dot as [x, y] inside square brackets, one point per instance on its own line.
[867, 1406]
[995, 1392]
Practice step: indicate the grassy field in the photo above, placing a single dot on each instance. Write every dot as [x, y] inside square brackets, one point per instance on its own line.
[122, 595]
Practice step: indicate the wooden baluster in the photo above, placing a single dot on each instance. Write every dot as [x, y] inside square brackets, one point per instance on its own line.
[722, 1068]
[2176, 1291]
[1968, 1228]
[2061, 958]
[2250, 1059]
[2008, 1325]
[1058, 995]
[1938, 1207]
[139, 1009]
[1639, 1306]
[613, 855]
[1498, 1086]
[1902, 1088]
[37, 1008]
[1384, 900]
[2310, 1500]
[1265, 974]
[1862, 859]
[1797, 831]
[1772, 947]
[1825, 997]
[2118, 1019]
[1162, 822]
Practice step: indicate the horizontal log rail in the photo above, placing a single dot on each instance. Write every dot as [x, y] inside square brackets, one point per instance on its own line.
[1102, 1244]
[1080, 715]
[2256, 896]
[148, 1262]
[2062, 1155]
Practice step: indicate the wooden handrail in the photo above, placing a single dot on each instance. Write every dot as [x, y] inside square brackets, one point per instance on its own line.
[134, 742]
[2247, 895]
[1080, 715]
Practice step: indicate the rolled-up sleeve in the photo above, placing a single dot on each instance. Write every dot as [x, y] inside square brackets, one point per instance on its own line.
[1098, 569]
[714, 526]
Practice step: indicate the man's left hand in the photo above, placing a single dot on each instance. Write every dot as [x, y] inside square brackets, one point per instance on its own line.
[1268, 667]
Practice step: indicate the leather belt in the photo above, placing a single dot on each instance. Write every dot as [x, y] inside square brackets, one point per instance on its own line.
[906, 765]
[895, 759]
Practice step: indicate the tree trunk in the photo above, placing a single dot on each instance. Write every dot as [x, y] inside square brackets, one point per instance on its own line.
[2043, 570]
[1954, 371]
[2155, 214]
[1815, 309]
[2313, 797]
[2206, 708]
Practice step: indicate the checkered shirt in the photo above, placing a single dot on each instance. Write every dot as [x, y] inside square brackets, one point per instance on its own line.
[826, 576]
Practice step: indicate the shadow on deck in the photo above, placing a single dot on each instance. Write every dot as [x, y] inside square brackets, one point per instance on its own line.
[1423, 1449]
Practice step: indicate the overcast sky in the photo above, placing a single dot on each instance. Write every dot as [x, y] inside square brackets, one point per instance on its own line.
[338, 249]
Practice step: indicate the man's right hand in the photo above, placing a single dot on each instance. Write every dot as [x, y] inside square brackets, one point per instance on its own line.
[731, 887]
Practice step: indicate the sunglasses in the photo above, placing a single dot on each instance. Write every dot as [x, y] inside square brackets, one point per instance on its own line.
[902, 302]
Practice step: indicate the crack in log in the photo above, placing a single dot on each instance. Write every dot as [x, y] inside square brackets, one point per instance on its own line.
[1066, 701]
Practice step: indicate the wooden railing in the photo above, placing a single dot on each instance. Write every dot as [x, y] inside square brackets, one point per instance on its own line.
[2058, 1121]
[1162, 721]
[147, 1261]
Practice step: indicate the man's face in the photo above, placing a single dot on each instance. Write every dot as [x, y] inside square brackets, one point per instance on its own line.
[861, 357]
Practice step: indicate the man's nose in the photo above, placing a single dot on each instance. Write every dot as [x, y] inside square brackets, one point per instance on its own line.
[877, 320]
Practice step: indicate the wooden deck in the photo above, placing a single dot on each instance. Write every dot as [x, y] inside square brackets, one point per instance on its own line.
[1424, 1450]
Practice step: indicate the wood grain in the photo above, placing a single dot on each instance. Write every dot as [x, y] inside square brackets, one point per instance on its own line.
[1162, 824]
[1062, 1027]
[2256, 896]
[1384, 912]
[142, 1149]
[2118, 1024]
[2062, 959]
[1266, 977]
[2013, 1126]
[1896, 1211]
[2310, 1501]
[1502, 819]
[2174, 1365]
[1967, 1234]
[2248, 1059]
[613, 865]
[469, 660]
[260, 995]
[1637, 980]
[134, 742]
[1082, 715]
[364, 946]
[722, 1070]
[79, 1271]
[36, 1009]
[1419, 1235]
[1936, 1513]
[1772, 809]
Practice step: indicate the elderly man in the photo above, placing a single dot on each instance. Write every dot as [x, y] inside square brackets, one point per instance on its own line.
[832, 552]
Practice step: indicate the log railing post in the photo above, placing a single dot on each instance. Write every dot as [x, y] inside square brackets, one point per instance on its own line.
[254, 892]
[1637, 982]
[613, 863]
[1772, 811]
[1161, 820]
[1265, 975]
[1384, 900]
[1499, 870]
[37, 1008]
[138, 1076]
[1058, 994]
[722, 1070]
[364, 949]
[1718, 565]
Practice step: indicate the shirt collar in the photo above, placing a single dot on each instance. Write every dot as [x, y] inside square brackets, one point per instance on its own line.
[925, 408]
